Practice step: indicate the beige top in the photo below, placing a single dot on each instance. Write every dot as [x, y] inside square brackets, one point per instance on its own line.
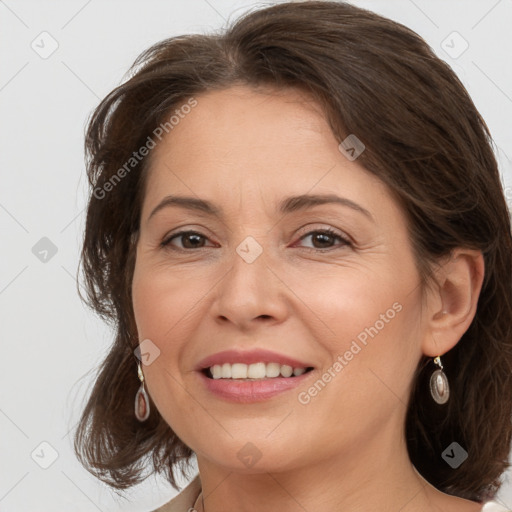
[185, 500]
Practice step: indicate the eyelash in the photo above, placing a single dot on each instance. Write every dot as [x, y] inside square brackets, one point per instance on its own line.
[166, 243]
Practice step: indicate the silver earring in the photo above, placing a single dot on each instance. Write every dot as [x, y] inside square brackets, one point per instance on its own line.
[439, 387]
[141, 399]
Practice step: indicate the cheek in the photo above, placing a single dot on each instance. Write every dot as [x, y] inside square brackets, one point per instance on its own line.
[354, 303]
[373, 356]
[162, 305]
[163, 302]
[367, 323]
[167, 308]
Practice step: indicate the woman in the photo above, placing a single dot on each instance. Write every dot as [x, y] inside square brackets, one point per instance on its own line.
[299, 232]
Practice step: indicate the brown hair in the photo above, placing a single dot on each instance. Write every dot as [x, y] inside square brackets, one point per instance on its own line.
[424, 138]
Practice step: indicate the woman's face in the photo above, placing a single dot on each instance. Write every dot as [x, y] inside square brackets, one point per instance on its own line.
[262, 274]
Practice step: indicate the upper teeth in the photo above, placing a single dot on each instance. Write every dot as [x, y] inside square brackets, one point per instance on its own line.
[253, 371]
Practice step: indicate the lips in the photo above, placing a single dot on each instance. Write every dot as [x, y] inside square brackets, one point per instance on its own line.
[251, 390]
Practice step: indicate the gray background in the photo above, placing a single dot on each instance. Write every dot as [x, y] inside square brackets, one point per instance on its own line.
[49, 340]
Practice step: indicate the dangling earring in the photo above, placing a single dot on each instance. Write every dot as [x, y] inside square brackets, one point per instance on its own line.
[439, 388]
[141, 399]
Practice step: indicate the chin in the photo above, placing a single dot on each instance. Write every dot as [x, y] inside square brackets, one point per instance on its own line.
[251, 455]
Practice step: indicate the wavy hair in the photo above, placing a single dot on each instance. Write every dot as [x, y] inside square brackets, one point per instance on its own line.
[424, 138]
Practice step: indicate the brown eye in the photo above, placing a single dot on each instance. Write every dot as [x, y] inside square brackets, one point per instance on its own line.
[325, 239]
[189, 240]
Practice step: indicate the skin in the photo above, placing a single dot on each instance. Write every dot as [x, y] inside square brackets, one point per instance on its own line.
[245, 150]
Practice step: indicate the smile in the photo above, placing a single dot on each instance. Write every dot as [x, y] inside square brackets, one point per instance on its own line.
[255, 371]
[256, 375]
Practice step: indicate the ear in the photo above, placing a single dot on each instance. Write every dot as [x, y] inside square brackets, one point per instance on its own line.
[451, 303]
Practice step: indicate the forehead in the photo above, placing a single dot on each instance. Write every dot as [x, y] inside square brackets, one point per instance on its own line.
[240, 142]
[244, 119]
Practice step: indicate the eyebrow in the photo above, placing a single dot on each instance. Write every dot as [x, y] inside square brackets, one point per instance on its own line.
[287, 205]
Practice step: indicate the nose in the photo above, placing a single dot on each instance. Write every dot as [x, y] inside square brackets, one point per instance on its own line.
[250, 294]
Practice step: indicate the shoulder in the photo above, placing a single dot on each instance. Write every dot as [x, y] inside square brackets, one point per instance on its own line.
[185, 500]
[493, 506]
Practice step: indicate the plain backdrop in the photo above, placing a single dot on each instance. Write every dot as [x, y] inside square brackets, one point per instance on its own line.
[57, 60]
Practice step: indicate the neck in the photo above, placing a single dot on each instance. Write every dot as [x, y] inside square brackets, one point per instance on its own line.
[364, 477]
